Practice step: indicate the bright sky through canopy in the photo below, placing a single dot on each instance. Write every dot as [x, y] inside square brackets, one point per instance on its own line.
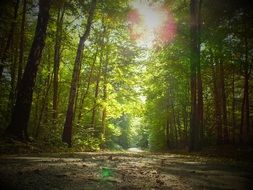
[150, 23]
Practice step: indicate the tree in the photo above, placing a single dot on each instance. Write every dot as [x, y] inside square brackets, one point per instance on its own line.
[67, 132]
[21, 44]
[196, 85]
[247, 68]
[22, 108]
[57, 49]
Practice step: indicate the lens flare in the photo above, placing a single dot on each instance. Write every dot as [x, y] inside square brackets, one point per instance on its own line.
[150, 24]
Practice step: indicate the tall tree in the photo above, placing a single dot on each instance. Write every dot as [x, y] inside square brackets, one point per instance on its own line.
[21, 44]
[95, 104]
[217, 92]
[86, 91]
[97, 91]
[57, 49]
[104, 112]
[247, 67]
[196, 84]
[22, 108]
[199, 79]
[67, 131]
[224, 102]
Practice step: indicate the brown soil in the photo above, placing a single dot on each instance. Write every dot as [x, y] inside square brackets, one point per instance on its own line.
[107, 170]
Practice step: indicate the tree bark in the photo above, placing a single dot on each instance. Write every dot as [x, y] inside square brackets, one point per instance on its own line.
[168, 143]
[104, 113]
[245, 116]
[67, 131]
[245, 124]
[233, 107]
[44, 103]
[57, 49]
[174, 124]
[12, 94]
[200, 103]
[101, 60]
[21, 45]
[224, 104]
[94, 110]
[195, 76]
[21, 112]
[218, 105]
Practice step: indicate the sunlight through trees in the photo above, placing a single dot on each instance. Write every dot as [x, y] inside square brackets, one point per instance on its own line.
[119, 74]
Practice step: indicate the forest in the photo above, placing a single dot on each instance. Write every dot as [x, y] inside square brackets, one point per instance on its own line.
[118, 79]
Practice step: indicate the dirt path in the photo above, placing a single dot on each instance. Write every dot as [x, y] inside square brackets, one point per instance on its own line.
[122, 171]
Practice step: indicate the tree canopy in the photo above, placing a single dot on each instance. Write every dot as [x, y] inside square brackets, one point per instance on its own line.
[159, 75]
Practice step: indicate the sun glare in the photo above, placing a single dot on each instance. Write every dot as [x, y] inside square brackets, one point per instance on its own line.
[150, 24]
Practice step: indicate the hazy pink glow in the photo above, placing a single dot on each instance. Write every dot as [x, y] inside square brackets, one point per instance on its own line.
[167, 31]
[134, 16]
[134, 20]
[150, 25]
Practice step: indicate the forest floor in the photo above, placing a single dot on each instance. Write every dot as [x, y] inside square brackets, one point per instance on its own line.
[122, 170]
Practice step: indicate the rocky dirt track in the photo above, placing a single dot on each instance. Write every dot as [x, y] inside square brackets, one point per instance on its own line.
[128, 170]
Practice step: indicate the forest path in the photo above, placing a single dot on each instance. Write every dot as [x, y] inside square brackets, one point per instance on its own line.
[108, 170]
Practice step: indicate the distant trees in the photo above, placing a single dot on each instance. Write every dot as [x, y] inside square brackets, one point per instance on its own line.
[216, 112]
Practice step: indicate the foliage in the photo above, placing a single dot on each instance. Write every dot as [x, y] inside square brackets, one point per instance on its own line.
[129, 95]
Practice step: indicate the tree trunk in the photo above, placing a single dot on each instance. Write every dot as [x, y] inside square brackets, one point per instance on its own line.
[199, 95]
[247, 106]
[57, 49]
[233, 107]
[217, 103]
[93, 117]
[185, 120]
[21, 45]
[77, 91]
[195, 76]
[104, 113]
[44, 103]
[67, 131]
[94, 110]
[168, 128]
[87, 88]
[21, 112]
[242, 118]
[245, 119]
[244, 128]
[179, 127]
[12, 94]
[224, 104]
[174, 124]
